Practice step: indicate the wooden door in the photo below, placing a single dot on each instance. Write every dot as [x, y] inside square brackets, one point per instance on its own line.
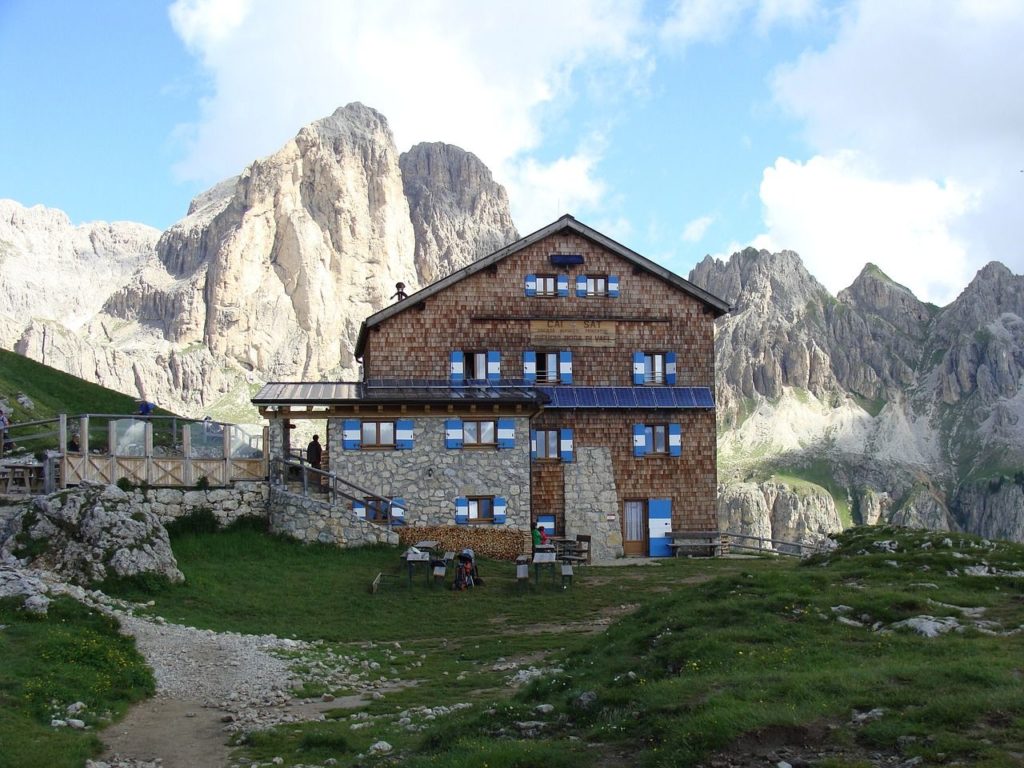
[634, 524]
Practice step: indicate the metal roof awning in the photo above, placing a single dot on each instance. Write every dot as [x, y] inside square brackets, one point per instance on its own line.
[395, 391]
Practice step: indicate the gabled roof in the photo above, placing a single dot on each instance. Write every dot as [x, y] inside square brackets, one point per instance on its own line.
[566, 222]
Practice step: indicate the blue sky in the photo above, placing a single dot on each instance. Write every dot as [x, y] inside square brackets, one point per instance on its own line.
[850, 132]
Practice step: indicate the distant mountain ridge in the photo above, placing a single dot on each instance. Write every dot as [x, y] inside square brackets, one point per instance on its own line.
[914, 413]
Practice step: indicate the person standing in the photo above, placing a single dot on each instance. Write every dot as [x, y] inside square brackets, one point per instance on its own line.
[314, 452]
[4, 424]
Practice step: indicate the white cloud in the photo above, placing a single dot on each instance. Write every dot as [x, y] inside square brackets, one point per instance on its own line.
[838, 214]
[203, 23]
[772, 13]
[926, 92]
[483, 76]
[712, 21]
[545, 191]
[694, 231]
[692, 21]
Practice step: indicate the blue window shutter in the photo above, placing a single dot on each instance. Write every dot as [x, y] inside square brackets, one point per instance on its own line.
[639, 440]
[613, 286]
[506, 433]
[566, 450]
[675, 439]
[456, 367]
[562, 283]
[500, 505]
[403, 434]
[581, 286]
[639, 370]
[453, 433]
[670, 368]
[351, 434]
[358, 508]
[493, 365]
[548, 521]
[461, 510]
[565, 366]
[533, 443]
[530, 366]
[659, 524]
[398, 510]
[531, 285]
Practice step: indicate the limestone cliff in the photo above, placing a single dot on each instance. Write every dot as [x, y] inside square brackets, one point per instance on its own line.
[458, 211]
[914, 411]
[268, 276]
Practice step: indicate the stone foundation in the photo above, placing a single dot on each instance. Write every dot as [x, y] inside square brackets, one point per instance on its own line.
[312, 520]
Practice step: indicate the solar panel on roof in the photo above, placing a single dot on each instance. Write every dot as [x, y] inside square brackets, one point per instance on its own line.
[663, 397]
[704, 398]
[605, 397]
[624, 397]
[644, 397]
[586, 397]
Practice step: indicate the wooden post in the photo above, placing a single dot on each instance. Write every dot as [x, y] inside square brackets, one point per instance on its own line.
[111, 448]
[149, 451]
[83, 435]
[186, 449]
[226, 450]
[62, 441]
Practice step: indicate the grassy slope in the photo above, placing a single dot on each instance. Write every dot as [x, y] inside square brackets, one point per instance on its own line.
[73, 654]
[716, 652]
[53, 391]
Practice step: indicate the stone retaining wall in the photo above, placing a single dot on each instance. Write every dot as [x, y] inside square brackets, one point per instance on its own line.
[243, 499]
[312, 520]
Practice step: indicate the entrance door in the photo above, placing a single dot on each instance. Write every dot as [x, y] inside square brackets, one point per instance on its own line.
[634, 522]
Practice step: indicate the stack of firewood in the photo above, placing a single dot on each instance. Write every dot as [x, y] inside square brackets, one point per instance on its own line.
[494, 543]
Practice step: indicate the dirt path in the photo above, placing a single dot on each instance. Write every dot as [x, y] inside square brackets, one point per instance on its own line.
[209, 685]
[178, 732]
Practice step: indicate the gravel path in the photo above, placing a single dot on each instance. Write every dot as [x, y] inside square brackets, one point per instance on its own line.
[209, 685]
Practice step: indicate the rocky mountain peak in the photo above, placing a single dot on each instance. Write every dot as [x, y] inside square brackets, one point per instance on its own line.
[458, 211]
[268, 276]
[875, 293]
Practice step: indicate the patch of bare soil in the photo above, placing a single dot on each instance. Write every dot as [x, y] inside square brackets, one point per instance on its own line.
[800, 747]
[587, 626]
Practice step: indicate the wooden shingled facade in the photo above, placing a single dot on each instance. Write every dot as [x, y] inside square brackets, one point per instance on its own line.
[636, 308]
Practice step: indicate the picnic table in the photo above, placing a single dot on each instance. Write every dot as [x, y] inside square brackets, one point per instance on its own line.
[21, 476]
[544, 556]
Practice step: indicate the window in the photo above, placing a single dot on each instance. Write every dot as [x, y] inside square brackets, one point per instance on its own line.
[654, 368]
[546, 285]
[376, 510]
[476, 365]
[481, 509]
[656, 438]
[547, 367]
[547, 443]
[378, 434]
[597, 285]
[479, 433]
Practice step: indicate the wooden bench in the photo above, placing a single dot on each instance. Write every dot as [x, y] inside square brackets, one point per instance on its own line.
[696, 543]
